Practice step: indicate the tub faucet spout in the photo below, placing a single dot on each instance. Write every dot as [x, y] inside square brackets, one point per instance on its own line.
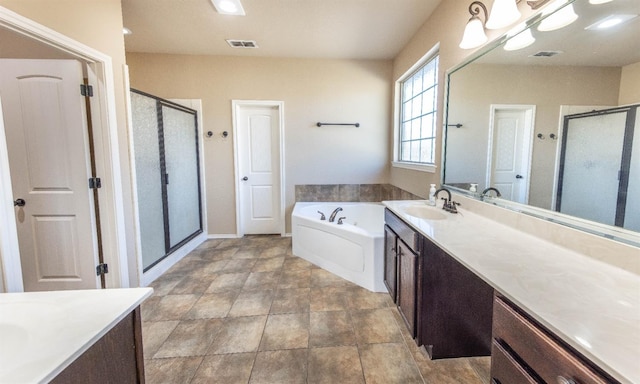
[332, 218]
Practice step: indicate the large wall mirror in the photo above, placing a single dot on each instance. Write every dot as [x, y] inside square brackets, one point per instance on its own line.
[554, 125]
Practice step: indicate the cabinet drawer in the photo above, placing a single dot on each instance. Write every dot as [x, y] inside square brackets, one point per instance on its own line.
[404, 231]
[505, 369]
[547, 357]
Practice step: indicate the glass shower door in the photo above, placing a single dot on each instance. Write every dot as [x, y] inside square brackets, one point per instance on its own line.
[165, 144]
[590, 166]
[183, 184]
[148, 176]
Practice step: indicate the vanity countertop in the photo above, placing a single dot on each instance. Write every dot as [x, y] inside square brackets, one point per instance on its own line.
[42, 333]
[593, 306]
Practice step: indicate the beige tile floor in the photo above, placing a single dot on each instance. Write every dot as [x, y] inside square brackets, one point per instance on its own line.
[248, 311]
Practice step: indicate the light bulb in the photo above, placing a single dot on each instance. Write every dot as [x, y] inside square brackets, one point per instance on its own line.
[503, 13]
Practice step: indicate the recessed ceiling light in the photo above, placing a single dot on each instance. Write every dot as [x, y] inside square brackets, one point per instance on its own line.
[611, 21]
[126, 31]
[228, 7]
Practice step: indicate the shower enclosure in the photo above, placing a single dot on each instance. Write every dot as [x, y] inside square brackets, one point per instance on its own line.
[165, 143]
[599, 174]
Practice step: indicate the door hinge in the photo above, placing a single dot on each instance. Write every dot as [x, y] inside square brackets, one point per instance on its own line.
[95, 183]
[102, 269]
[86, 90]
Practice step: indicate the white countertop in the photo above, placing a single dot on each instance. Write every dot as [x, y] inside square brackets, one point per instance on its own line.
[41, 333]
[592, 306]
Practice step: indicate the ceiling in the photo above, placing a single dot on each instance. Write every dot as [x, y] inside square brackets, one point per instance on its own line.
[340, 29]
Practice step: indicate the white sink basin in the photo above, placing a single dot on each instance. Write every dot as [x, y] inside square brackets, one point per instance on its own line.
[424, 212]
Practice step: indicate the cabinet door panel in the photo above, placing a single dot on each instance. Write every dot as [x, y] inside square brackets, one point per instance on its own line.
[390, 262]
[456, 307]
[407, 263]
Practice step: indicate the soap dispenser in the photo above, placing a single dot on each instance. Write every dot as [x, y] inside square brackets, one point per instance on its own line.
[432, 195]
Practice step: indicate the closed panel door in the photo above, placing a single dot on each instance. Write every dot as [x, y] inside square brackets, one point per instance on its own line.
[259, 169]
[508, 169]
[47, 138]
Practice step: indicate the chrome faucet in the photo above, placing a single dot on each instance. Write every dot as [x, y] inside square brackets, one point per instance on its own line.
[332, 218]
[486, 192]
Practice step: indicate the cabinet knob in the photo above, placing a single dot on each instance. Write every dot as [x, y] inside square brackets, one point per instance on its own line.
[563, 380]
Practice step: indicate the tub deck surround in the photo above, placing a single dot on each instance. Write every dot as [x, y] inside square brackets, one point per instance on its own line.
[42, 333]
[351, 192]
[592, 306]
[353, 250]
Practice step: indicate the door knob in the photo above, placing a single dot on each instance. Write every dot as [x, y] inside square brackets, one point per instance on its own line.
[19, 203]
[245, 178]
[518, 176]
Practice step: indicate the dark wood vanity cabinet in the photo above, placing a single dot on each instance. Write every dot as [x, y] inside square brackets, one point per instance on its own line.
[456, 307]
[525, 352]
[117, 357]
[446, 307]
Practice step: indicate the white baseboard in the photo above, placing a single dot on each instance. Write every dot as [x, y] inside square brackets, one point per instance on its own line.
[223, 236]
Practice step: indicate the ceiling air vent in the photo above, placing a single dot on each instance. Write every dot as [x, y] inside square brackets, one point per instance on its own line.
[546, 53]
[242, 43]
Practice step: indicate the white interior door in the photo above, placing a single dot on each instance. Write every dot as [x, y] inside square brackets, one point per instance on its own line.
[258, 156]
[47, 140]
[511, 153]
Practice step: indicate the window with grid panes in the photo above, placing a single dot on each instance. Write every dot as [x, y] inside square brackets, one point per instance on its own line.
[418, 95]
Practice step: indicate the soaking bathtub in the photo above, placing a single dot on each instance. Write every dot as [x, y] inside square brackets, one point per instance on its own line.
[353, 250]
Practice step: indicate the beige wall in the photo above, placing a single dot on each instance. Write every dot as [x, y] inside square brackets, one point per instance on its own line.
[476, 87]
[445, 26]
[312, 90]
[98, 24]
[630, 84]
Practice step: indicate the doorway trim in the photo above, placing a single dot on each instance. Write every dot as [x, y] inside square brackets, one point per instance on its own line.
[279, 105]
[529, 129]
[104, 119]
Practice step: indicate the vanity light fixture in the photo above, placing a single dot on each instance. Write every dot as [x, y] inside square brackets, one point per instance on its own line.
[228, 7]
[557, 18]
[519, 37]
[503, 13]
[474, 35]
